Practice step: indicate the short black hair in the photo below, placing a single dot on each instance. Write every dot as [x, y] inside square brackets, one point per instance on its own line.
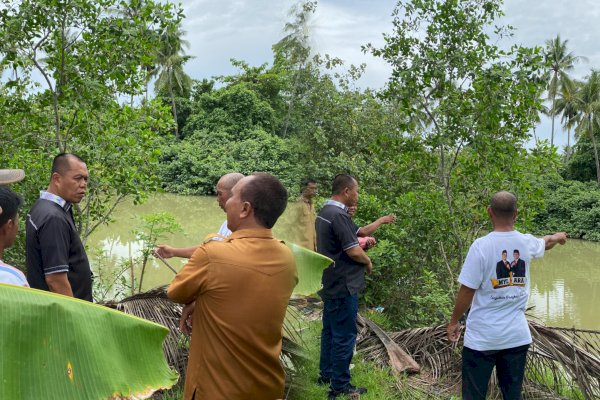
[504, 204]
[504, 252]
[61, 164]
[268, 197]
[516, 251]
[305, 182]
[10, 203]
[341, 182]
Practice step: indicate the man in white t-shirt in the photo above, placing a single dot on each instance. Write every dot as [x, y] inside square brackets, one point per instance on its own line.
[497, 332]
[9, 225]
[224, 186]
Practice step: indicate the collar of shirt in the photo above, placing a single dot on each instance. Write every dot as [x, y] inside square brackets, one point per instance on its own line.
[252, 233]
[55, 199]
[337, 204]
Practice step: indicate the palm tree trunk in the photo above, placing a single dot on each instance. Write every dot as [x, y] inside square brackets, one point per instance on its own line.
[553, 112]
[174, 111]
[595, 153]
[568, 143]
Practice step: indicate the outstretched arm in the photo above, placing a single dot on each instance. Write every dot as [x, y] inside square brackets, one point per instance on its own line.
[368, 230]
[166, 251]
[463, 302]
[552, 240]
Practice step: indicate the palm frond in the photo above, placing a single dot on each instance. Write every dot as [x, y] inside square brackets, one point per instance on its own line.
[561, 363]
[155, 306]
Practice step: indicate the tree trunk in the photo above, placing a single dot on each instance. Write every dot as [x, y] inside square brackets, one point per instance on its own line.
[595, 152]
[553, 108]
[568, 143]
[174, 107]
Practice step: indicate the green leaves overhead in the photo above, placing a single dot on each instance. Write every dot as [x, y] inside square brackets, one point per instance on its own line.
[57, 347]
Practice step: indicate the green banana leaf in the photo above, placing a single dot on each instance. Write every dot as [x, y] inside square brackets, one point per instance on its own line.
[57, 347]
[310, 266]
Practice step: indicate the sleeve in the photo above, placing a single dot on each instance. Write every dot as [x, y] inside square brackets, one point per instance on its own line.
[536, 246]
[192, 280]
[471, 274]
[345, 231]
[55, 244]
[355, 227]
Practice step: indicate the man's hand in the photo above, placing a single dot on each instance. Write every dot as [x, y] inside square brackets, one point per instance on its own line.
[557, 238]
[185, 322]
[388, 219]
[164, 251]
[370, 242]
[453, 331]
[369, 267]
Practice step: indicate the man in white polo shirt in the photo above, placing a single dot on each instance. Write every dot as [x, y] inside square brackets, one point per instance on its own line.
[497, 332]
[224, 186]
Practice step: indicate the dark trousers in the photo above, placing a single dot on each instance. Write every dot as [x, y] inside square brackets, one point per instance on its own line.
[337, 340]
[477, 368]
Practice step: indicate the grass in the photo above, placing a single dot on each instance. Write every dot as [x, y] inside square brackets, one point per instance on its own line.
[561, 385]
[379, 382]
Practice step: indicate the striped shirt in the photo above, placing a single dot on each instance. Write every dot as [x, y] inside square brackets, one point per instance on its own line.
[12, 276]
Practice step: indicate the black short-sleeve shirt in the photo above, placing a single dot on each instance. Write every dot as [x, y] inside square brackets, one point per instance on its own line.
[53, 245]
[336, 233]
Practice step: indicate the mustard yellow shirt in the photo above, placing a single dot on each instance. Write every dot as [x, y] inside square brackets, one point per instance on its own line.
[304, 233]
[241, 287]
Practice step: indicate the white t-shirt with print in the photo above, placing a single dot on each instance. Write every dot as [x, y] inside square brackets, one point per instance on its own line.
[497, 317]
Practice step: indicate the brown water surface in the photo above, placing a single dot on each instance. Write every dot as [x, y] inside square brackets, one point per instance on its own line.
[565, 287]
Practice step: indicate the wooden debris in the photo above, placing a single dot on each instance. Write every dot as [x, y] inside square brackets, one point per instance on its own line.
[400, 361]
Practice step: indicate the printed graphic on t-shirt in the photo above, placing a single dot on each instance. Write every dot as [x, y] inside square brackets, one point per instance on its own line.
[510, 273]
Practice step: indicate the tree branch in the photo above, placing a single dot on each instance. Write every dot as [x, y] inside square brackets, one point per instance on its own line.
[106, 216]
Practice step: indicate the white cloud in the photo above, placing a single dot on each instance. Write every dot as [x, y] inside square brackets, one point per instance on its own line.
[220, 30]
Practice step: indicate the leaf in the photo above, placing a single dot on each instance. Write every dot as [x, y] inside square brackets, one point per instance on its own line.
[57, 347]
[310, 266]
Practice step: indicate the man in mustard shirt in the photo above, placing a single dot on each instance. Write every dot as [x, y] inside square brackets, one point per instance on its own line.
[304, 216]
[241, 287]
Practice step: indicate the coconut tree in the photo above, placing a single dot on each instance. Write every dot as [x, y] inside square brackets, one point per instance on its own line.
[560, 62]
[170, 59]
[566, 106]
[588, 105]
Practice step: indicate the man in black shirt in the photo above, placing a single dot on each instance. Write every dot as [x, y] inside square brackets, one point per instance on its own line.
[342, 281]
[56, 258]
[518, 265]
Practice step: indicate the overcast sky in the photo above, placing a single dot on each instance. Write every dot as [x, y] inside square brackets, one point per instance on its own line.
[222, 29]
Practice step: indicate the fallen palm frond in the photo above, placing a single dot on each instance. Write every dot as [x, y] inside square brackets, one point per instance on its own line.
[561, 363]
[399, 360]
[565, 360]
[58, 347]
[155, 306]
[439, 360]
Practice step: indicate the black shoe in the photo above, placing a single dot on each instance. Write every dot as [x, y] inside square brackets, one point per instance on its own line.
[323, 381]
[348, 390]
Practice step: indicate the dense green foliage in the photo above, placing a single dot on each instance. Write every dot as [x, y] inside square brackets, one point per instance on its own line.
[91, 55]
[449, 129]
[572, 207]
